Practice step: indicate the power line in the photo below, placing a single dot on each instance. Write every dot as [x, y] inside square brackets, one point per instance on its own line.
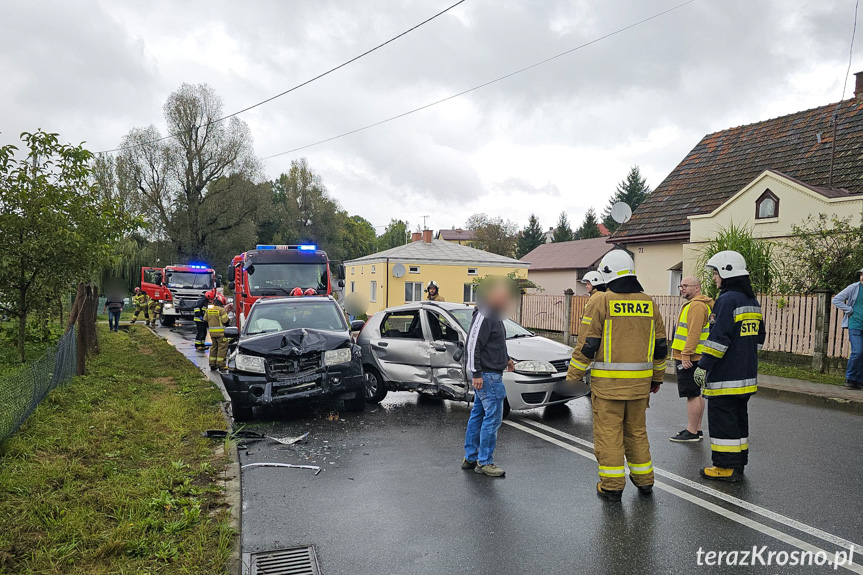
[484, 84]
[300, 85]
[850, 50]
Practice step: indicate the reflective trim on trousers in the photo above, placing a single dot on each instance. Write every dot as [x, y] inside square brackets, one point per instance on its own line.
[729, 445]
[640, 468]
[606, 471]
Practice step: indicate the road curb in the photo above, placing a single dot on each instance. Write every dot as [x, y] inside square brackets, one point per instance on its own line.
[232, 478]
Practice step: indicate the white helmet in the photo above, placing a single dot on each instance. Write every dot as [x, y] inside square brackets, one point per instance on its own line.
[616, 264]
[729, 264]
[595, 279]
[432, 284]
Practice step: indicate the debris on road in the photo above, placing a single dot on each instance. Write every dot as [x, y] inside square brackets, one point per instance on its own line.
[314, 468]
[219, 434]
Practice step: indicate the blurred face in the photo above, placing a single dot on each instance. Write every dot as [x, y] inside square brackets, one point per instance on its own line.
[861, 278]
[497, 295]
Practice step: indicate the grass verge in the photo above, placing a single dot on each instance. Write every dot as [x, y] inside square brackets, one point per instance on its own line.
[111, 473]
[769, 368]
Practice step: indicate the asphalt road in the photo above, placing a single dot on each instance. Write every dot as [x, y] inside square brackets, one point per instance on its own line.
[391, 497]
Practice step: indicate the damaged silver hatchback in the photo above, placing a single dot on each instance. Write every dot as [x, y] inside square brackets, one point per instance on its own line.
[420, 347]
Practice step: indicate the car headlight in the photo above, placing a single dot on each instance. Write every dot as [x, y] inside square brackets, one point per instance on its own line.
[168, 305]
[337, 356]
[251, 363]
[534, 368]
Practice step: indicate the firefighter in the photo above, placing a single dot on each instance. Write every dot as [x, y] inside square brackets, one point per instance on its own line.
[139, 300]
[625, 340]
[728, 370]
[200, 312]
[594, 283]
[433, 292]
[217, 319]
[155, 307]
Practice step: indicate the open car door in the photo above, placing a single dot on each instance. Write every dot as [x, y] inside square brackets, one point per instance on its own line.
[447, 364]
[151, 283]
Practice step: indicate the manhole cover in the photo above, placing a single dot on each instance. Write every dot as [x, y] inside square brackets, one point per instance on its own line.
[294, 561]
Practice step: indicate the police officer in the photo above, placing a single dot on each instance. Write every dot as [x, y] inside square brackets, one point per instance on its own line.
[594, 282]
[200, 311]
[434, 292]
[155, 308]
[139, 300]
[728, 370]
[625, 340]
[217, 319]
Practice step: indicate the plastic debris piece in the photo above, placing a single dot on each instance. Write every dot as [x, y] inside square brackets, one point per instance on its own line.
[314, 468]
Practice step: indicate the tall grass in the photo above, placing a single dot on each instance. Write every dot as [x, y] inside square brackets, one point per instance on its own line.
[758, 253]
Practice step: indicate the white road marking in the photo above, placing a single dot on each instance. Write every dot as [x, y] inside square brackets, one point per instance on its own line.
[737, 518]
[772, 515]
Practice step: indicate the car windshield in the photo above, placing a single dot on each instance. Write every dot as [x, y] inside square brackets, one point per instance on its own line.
[280, 279]
[202, 280]
[513, 330]
[272, 317]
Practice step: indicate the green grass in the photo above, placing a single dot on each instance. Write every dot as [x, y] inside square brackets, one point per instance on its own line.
[768, 368]
[111, 473]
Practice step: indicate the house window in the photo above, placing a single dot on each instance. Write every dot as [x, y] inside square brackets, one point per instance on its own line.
[413, 291]
[373, 269]
[674, 279]
[470, 293]
[353, 286]
[414, 269]
[472, 271]
[352, 270]
[373, 291]
[767, 206]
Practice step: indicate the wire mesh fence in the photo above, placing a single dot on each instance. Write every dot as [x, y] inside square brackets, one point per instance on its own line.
[22, 390]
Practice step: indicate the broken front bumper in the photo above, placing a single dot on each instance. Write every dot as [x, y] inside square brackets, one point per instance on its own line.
[258, 390]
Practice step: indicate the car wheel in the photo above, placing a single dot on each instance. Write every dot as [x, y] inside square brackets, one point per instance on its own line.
[241, 412]
[357, 403]
[376, 388]
[167, 321]
[506, 408]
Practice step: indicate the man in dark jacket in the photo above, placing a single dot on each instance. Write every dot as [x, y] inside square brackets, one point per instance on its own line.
[200, 312]
[487, 359]
[114, 306]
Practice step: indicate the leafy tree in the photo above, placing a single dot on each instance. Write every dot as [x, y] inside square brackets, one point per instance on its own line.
[174, 176]
[55, 227]
[395, 234]
[632, 191]
[562, 231]
[825, 252]
[589, 226]
[530, 238]
[761, 260]
[359, 237]
[493, 234]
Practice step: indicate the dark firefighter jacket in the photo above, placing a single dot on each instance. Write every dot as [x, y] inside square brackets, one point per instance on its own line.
[200, 309]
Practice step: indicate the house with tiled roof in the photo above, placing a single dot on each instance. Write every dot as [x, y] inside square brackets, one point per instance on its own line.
[767, 176]
[457, 235]
[556, 267]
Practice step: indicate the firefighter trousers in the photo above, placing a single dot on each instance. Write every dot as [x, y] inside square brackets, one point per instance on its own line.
[728, 421]
[138, 310]
[218, 351]
[200, 334]
[620, 432]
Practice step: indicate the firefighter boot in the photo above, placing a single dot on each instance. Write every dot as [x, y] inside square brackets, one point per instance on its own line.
[722, 474]
[645, 490]
[611, 495]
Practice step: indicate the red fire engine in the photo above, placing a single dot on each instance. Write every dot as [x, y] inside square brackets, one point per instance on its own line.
[178, 287]
[277, 270]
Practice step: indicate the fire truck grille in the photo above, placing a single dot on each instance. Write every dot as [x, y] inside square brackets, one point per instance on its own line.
[294, 365]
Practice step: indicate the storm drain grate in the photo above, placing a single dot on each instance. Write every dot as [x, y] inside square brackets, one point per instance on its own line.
[295, 561]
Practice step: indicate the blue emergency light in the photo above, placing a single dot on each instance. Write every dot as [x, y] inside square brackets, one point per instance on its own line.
[308, 247]
[197, 267]
[265, 247]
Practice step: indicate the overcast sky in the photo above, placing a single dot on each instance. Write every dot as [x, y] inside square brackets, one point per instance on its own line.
[558, 137]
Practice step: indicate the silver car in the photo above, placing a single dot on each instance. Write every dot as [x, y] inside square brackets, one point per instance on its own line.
[420, 347]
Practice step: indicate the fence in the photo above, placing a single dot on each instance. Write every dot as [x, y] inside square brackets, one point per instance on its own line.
[791, 320]
[21, 391]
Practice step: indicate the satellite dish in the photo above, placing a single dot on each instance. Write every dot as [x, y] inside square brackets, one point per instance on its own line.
[621, 212]
[399, 270]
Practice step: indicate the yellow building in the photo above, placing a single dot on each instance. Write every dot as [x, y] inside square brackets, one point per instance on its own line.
[400, 275]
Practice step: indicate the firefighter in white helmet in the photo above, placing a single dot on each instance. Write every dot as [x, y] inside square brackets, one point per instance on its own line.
[433, 292]
[625, 340]
[594, 282]
[728, 369]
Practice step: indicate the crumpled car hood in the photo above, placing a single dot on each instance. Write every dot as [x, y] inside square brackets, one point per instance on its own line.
[295, 342]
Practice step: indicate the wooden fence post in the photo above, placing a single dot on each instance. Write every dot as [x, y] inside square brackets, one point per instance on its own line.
[822, 331]
[520, 308]
[567, 314]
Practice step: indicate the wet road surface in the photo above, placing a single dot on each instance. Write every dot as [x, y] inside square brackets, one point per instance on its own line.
[391, 497]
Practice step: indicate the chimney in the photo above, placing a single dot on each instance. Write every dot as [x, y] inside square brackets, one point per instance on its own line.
[416, 236]
[858, 88]
[427, 236]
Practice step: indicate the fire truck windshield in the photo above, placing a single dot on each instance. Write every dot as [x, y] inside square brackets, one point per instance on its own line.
[280, 279]
[190, 280]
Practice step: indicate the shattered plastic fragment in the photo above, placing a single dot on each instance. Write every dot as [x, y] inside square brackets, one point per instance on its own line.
[314, 468]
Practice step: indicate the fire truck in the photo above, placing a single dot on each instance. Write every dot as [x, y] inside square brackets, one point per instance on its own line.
[178, 287]
[277, 270]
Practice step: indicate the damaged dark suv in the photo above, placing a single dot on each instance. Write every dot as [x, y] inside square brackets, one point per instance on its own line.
[293, 349]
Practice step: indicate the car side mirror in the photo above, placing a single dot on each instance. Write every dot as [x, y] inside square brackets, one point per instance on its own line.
[357, 325]
[342, 274]
[232, 331]
[251, 269]
[231, 285]
[341, 283]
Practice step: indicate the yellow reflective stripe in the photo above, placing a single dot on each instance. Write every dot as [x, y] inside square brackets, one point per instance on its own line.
[605, 471]
[660, 366]
[744, 447]
[652, 345]
[641, 468]
[748, 315]
[714, 352]
[586, 320]
[217, 329]
[607, 337]
[622, 374]
[729, 448]
[578, 364]
[731, 390]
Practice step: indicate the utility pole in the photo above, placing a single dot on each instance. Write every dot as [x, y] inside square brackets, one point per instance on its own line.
[425, 221]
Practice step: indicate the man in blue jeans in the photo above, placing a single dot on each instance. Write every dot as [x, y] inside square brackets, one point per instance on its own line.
[114, 307]
[487, 359]
[848, 301]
